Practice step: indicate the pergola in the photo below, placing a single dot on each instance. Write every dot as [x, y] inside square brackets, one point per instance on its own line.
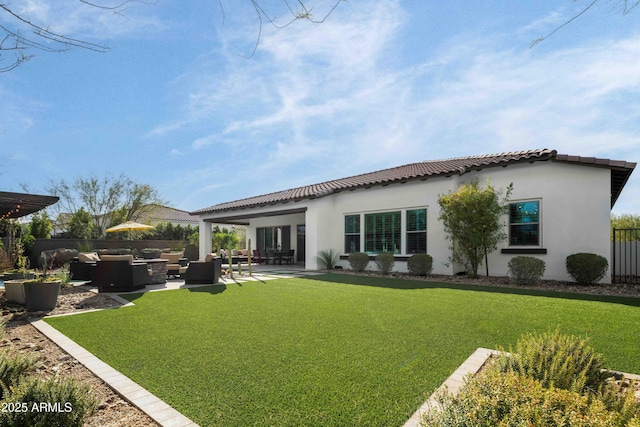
[17, 205]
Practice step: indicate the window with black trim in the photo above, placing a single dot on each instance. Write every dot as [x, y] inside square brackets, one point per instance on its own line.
[524, 223]
[382, 232]
[417, 231]
[351, 233]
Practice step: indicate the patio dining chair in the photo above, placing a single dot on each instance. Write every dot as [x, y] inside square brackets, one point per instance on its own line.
[289, 257]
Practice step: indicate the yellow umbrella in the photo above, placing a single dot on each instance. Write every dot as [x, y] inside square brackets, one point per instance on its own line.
[129, 225]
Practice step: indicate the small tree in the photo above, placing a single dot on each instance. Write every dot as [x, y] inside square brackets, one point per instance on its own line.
[41, 225]
[80, 225]
[472, 218]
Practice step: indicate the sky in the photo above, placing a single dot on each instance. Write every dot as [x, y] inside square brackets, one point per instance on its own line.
[197, 100]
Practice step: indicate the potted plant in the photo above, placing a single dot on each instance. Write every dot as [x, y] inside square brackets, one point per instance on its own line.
[14, 281]
[41, 294]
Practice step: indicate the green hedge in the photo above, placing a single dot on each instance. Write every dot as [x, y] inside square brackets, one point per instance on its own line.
[526, 270]
[587, 268]
[358, 261]
[420, 264]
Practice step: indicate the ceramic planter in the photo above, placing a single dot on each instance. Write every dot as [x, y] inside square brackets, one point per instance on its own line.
[14, 291]
[41, 296]
[18, 276]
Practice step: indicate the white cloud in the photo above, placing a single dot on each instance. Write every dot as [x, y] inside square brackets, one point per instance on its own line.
[332, 100]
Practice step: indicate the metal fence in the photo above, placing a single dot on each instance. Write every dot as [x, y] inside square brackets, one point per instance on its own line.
[625, 255]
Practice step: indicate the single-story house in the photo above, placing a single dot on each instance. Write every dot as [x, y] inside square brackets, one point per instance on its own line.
[560, 205]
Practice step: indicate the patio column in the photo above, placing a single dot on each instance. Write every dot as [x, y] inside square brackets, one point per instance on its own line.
[205, 238]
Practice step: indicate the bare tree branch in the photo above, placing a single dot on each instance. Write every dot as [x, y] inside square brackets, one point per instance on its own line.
[303, 13]
[15, 43]
[628, 7]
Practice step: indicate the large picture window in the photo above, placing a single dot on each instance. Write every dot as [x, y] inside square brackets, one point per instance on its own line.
[524, 223]
[417, 231]
[351, 233]
[382, 232]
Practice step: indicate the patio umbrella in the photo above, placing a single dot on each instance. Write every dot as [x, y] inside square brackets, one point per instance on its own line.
[129, 225]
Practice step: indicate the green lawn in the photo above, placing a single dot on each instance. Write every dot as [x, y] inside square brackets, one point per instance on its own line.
[329, 350]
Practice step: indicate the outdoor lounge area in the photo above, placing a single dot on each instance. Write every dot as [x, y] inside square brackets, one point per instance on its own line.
[124, 273]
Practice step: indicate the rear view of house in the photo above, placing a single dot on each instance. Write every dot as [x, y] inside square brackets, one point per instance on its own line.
[560, 205]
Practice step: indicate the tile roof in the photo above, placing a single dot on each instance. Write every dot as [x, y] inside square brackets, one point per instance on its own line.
[421, 171]
[158, 213]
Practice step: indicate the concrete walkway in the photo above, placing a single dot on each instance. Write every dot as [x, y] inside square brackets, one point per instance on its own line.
[150, 404]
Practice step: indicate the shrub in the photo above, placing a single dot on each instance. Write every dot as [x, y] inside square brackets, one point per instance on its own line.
[52, 402]
[13, 368]
[385, 262]
[526, 270]
[420, 264]
[192, 252]
[587, 268]
[557, 360]
[358, 261]
[508, 399]
[327, 258]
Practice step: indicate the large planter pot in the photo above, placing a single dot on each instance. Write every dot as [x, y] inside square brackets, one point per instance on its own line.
[41, 296]
[14, 291]
[18, 276]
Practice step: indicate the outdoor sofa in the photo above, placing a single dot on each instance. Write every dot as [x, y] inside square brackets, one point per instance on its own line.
[82, 266]
[119, 273]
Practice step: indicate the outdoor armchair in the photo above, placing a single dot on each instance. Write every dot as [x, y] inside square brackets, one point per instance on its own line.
[118, 273]
[203, 272]
[176, 263]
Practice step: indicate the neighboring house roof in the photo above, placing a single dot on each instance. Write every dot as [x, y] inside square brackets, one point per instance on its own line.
[621, 171]
[160, 213]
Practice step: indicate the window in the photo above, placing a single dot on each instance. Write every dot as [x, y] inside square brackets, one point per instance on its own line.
[351, 233]
[382, 232]
[524, 223]
[417, 231]
[277, 238]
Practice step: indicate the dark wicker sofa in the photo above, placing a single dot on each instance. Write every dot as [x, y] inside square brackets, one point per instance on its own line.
[118, 273]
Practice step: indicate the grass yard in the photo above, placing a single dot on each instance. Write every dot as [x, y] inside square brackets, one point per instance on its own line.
[332, 349]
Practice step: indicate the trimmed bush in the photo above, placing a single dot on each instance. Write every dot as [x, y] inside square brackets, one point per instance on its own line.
[358, 261]
[556, 360]
[526, 270]
[587, 268]
[420, 264]
[385, 262]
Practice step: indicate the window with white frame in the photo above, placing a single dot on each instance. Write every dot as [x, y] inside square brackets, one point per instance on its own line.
[383, 232]
[524, 223]
[351, 233]
[417, 231]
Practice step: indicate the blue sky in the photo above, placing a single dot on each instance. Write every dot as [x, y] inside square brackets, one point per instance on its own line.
[179, 103]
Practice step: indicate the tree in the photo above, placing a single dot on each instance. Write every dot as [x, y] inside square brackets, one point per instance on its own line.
[472, 218]
[23, 33]
[626, 221]
[80, 225]
[224, 239]
[41, 225]
[107, 200]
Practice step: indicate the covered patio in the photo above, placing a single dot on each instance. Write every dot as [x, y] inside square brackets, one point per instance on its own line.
[280, 231]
